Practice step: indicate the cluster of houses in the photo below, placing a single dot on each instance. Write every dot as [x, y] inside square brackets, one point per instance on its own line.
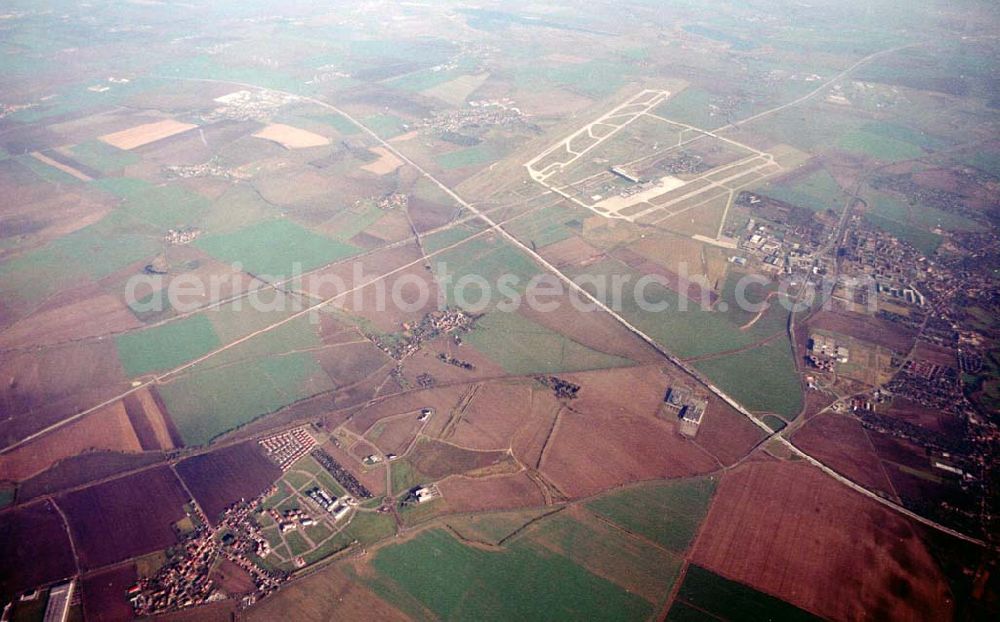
[186, 579]
[285, 448]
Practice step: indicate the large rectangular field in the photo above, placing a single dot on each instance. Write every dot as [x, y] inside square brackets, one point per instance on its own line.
[455, 581]
[789, 530]
[202, 411]
[667, 513]
[146, 133]
[34, 549]
[124, 517]
[221, 478]
[706, 592]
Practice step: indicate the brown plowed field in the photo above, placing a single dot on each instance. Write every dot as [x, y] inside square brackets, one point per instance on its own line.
[529, 441]
[928, 418]
[319, 597]
[394, 435]
[441, 399]
[108, 428]
[594, 329]
[221, 478]
[76, 320]
[490, 493]
[437, 460]
[789, 530]
[40, 388]
[842, 444]
[426, 361]
[886, 334]
[427, 215]
[572, 251]
[612, 435]
[82, 469]
[348, 364]
[124, 517]
[104, 595]
[222, 611]
[34, 549]
[725, 433]
[495, 414]
[945, 357]
[232, 579]
[149, 420]
[392, 227]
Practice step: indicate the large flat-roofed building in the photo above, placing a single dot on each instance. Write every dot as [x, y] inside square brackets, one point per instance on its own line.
[625, 174]
[682, 403]
[691, 416]
[60, 597]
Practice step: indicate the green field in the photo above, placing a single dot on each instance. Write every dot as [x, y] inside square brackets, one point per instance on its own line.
[694, 330]
[231, 324]
[761, 379]
[817, 191]
[807, 128]
[7, 492]
[668, 513]
[986, 160]
[924, 241]
[123, 187]
[404, 476]
[493, 527]
[728, 600]
[385, 125]
[473, 156]
[163, 207]
[457, 582]
[31, 278]
[297, 545]
[46, 172]
[543, 227]
[917, 214]
[690, 106]
[92, 252]
[350, 222]
[103, 157]
[521, 346]
[879, 146]
[339, 123]
[209, 401]
[366, 528]
[608, 552]
[255, 247]
[904, 133]
[238, 207]
[774, 422]
[166, 346]
[444, 239]
[913, 222]
[482, 258]
[595, 78]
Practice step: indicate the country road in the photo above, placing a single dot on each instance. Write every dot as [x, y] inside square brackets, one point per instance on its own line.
[494, 226]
